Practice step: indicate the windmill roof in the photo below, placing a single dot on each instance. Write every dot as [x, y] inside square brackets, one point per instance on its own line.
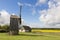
[14, 16]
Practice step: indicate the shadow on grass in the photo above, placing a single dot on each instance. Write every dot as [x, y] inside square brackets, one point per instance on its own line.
[30, 35]
[36, 35]
[33, 34]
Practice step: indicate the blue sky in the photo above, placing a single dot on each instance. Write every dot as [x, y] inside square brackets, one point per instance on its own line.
[9, 5]
[27, 11]
[12, 7]
[41, 13]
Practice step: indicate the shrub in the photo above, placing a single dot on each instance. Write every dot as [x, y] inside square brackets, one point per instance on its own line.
[4, 28]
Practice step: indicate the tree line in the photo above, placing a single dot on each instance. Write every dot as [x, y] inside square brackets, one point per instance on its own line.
[4, 28]
[47, 28]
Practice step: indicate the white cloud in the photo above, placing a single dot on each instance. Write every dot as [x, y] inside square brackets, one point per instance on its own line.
[57, 0]
[23, 22]
[4, 17]
[40, 2]
[32, 25]
[51, 4]
[51, 17]
[26, 4]
[20, 4]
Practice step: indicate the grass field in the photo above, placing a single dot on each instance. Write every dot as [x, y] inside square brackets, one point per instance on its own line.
[31, 36]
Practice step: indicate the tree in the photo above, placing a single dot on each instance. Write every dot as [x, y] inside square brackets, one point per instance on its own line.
[0, 26]
[5, 27]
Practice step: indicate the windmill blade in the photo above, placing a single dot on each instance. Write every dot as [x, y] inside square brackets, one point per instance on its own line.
[20, 14]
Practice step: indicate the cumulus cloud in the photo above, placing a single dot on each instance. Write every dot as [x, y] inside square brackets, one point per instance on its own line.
[4, 17]
[51, 17]
[51, 4]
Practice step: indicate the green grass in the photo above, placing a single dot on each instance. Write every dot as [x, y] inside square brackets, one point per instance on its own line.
[30, 36]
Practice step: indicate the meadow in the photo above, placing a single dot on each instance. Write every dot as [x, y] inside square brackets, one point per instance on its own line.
[34, 35]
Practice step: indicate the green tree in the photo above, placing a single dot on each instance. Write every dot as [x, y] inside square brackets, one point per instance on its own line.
[0, 26]
[5, 27]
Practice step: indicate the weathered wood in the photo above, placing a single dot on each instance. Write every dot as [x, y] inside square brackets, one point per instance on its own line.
[14, 29]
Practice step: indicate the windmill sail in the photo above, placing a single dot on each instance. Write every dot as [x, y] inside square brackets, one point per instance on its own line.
[20, 14]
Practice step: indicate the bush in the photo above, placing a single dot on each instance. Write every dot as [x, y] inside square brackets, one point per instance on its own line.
[4, 28]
